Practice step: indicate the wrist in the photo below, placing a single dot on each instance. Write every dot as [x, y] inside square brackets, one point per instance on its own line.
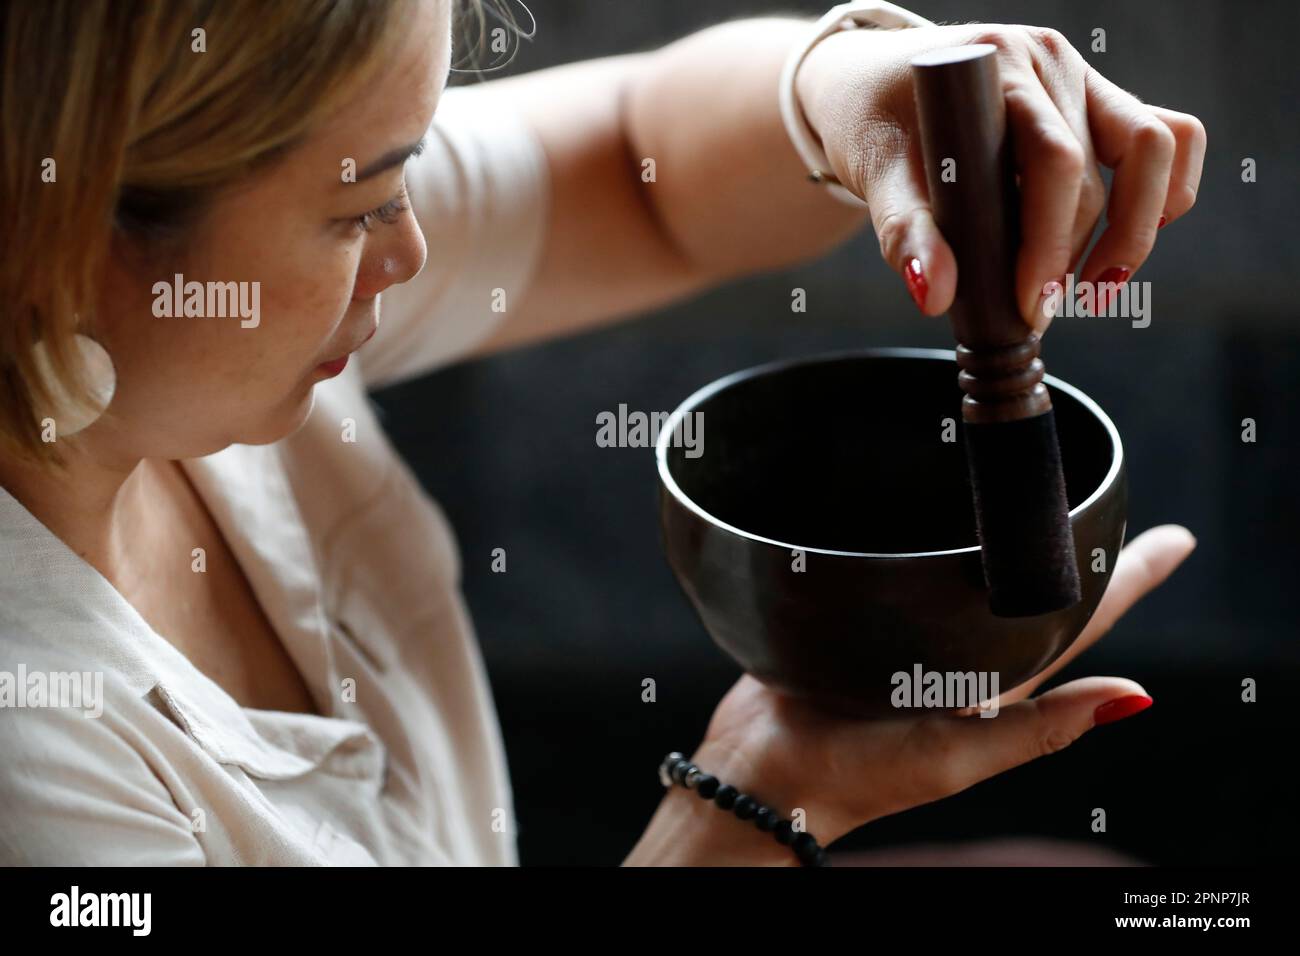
[689, 830]
[820, 89]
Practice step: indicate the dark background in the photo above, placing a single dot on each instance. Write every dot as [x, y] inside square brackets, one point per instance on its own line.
[588, 607]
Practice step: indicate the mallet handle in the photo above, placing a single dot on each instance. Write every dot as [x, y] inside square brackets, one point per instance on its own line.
[973, 195]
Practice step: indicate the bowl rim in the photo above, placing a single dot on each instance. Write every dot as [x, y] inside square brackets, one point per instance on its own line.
[708, 391]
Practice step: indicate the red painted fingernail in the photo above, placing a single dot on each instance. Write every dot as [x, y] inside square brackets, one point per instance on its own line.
[1115, 275]
[1119, 708]
[916, 283]
[1161, 223]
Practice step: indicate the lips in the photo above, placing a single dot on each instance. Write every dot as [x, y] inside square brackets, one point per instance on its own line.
[334, 367]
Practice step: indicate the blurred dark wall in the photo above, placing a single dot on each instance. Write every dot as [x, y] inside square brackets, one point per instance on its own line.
[588, 608]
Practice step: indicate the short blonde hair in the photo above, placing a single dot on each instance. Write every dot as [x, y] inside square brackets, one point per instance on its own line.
[144, 129]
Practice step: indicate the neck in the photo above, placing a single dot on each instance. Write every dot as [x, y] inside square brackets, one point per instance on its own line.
[98, 504]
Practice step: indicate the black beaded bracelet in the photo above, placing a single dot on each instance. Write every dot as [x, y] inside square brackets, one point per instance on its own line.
[676, 769]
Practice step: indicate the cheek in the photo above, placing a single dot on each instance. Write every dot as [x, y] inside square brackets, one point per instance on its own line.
[217, 365]
[305, 278]
[198, 382]
[300, 317]
[303, 303]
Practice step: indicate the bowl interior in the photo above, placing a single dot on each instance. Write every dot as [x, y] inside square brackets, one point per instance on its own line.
[849, 453]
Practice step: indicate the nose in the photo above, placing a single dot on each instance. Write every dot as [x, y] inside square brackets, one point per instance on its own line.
[394, 254]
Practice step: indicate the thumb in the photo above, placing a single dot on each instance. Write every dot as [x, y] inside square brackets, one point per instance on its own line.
[977, 748]
[910, 242]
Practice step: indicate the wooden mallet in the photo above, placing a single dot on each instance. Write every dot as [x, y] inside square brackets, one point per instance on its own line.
[1021, 510]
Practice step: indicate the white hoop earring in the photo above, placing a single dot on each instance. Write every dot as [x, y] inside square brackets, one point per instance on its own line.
[101, 382]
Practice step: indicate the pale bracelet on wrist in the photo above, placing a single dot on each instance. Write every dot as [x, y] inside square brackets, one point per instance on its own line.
[872, 14]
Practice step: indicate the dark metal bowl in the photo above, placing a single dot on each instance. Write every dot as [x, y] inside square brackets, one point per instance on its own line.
[841, 459]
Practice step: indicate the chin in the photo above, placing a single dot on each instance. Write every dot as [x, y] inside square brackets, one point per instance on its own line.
[282, 423]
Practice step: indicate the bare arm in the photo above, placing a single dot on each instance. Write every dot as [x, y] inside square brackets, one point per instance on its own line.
[729, 196]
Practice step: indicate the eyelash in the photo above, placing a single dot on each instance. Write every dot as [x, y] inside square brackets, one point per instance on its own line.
[387, 214]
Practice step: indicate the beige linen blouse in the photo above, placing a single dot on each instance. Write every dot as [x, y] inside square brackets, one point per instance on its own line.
[358, 572]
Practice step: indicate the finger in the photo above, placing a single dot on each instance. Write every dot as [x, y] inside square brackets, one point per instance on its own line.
[1129, 138]
[1062, 71]
[1143, 565]
[910, 242]
[1092, 203]
[1052, 163]
[1189, 160]
[953, 753]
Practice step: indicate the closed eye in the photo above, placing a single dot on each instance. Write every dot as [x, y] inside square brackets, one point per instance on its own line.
[387, 214]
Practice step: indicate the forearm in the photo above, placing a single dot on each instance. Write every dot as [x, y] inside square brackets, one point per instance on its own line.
[730, 191]
[728, 196]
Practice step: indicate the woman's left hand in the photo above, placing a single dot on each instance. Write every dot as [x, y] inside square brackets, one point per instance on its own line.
[844, 772]
[1064, 117]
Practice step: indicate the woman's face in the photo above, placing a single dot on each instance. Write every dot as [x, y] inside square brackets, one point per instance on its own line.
[189, 386]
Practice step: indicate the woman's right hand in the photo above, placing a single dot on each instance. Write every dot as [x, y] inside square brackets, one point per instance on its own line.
[843, 773]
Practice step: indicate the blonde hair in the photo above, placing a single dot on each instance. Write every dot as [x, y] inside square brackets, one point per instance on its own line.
[143, 129]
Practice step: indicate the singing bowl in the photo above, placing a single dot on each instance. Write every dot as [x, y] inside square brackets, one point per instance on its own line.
[824, 531]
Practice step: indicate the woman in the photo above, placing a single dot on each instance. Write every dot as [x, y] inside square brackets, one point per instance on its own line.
[236, 615]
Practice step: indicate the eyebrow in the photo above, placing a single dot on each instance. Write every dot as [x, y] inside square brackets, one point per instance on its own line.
[390, 159]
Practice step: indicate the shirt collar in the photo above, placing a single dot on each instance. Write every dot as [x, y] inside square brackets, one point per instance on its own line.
[247, 491]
